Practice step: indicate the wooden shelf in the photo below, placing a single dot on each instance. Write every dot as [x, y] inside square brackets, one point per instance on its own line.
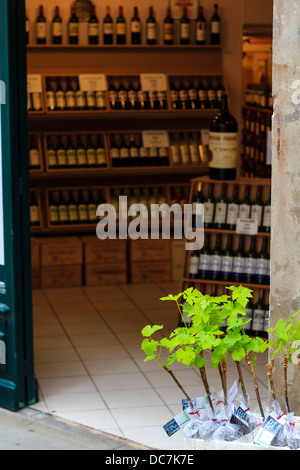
[225, 283]
[259, 110]
[106, 47]
[233, 232]
[240, 181]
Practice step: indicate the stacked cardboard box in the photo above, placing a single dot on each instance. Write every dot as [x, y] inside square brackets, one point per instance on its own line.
[178, 250]
[150, 260]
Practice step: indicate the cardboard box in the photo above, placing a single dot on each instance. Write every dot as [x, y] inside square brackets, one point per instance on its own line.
[150, 250]
[151, 271]
[178, 254]
[61, 251]
[99, 274]
[61, 276]
[103, 251]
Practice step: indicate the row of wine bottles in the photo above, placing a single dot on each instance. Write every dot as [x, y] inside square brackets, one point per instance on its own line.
[76, 151]
[258, 313]
[128, 151]
[64, 94]
[259, 96]
[119, 33]
[72, 207]
[256, 123]
[222, 212]
[196, 92]
[251, 266]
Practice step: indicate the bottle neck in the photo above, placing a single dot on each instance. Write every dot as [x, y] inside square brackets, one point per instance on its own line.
[224, 103]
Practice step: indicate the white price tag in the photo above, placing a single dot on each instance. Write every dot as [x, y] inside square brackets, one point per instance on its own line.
[158, 139]
[246, 226]
[92, 82]
[269, 429]
[153, 82]
[233, 392]
[34, 83]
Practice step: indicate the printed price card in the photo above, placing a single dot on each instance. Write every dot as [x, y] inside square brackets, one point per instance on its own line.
[153, 82]
[246, 226]
[268, 430]
[34, 83]
[92, 82]
[176, 423]
[157, 139]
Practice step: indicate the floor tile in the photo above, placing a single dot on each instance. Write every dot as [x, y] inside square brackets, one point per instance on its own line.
[59, 369]
[51, 342]
[56, 355]
[97, 326]
[139, 416]
[110, 366]
[102, 352]
[75, 402]
[66, 385]
[98, 339]
[131, 398]
[128, 381]
[73, 308]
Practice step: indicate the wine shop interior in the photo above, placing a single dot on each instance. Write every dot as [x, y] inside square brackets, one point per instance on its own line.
[164, 102]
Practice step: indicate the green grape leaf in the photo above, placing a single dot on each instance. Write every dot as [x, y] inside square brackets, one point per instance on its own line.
[149, 330]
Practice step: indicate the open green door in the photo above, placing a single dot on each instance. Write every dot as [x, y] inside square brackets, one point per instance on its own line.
[18, 387]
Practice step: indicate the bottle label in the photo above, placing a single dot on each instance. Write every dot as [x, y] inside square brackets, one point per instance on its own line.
[135, 26]
[215, 27]
[204, 263]
[80, 99]
[142, 96]
[183, 95]
[73, 213]
[194, 265]
[144, 152]
[34, 158]
[92, 208]
[220, 215]
[57, 29]
[132, 95]
[73, 29]
[161, 95]
[61, 157]
[71, 99]
[227, 263]
[52, 157]
[245, 211]
[107, 29]
[194, 152]
[185, 154]
[83, 214]
[50, 99]
[212, 95]
[90, 97]
[122, 95]
[151, 31]
[37, 102]
[267, 216]
[185, 31]
[124, 152]
[93, 29]
[192, 93]
[34, 215]
[200, 31]
[81, 157]
[238, 265]
[256, 213]
[60, 99]
[258, 320]
[250, 266]
[223, 149]
[115, 153]
[101, 157]
[53, 213]
[261, 267]
[208, 212]
[91, 157]
[63, 213]
[134, 152]
[71, 157]
[174, 95]
[202, 95]
[232, 214]
[121, 29]
[41, 30]
[215, 263]
[175, 153]
[168, 32]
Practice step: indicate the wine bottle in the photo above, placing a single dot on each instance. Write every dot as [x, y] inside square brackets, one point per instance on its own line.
[215, 27]
[259, 314]
[133, 152]
[53, 208]
[122, 97]
[202, 94]
[175, 149]
[100, 153]
[183, 96]
[81, 153]
[108, 34]
[63, 215]
[34, 210]
[121, 28]
[194, 265]
[132, 96]
[266, 218]
[216, 260]
[113, 95]
[221, 209]
[61, 154]
[73, 210]
[57, 31]
[193, 94]
[245, 205]
[142, 97]
[91, 207]
[124, 153]
[60, 96]
[41, 27]
[200, 27]
[135, 27]
[250, 263]
[223, 144]
[34, 156]
[51, 154]
[198, 200]
[262, 263]
[239, 262]
[91, 100]
[83, 208]
[151, 28]
[115, 152]
[70, 96]
[233, 209]
[168, 28]
[79, 95]
[71, 154]
[93, 27]
[174, 93]
[194, 148]
[91, 153]
[205, 259]
[184, 149]
[227, 260]
[257, 208]
[212, 96]
[184, 28]
[209, 207]
[73, 27]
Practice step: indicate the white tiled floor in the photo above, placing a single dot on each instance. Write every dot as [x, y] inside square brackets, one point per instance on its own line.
[91, 369]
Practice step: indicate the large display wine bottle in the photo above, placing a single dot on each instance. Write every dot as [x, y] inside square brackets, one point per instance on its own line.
[223, 144]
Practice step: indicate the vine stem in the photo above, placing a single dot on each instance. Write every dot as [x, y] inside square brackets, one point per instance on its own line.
[241, 379]
[285, 366]
[270, 377]
[251, 367]
[206, 386]
[224, 372]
